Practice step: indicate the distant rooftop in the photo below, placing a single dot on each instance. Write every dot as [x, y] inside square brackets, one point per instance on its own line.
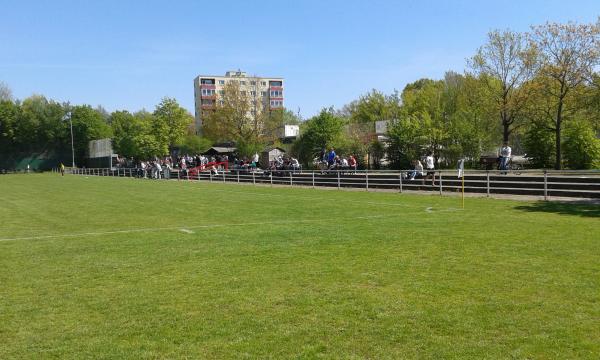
[238, 74]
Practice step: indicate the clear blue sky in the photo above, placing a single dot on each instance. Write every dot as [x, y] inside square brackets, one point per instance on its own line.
[129, 54]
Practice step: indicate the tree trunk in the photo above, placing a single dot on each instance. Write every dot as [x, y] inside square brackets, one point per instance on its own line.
[505, 117]
[505, 128]
[558, 163]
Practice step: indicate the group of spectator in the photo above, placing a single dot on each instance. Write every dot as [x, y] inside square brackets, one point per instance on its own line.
[283, 164]
[246, 164]
[332, 161]
[157, 168]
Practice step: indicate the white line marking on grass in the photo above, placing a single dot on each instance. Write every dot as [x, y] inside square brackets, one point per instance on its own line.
[187, 231]
[432, 210]
[170, 228]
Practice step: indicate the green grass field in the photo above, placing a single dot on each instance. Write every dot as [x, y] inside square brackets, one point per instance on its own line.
[96, 267]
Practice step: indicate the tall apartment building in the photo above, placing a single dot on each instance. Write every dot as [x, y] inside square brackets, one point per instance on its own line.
[207, 89]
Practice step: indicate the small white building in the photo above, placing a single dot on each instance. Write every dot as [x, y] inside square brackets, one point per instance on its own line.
[290, 132]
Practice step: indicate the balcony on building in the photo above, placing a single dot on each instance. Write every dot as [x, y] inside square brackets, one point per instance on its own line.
[275, 85]
[207, 104]
[207, 83]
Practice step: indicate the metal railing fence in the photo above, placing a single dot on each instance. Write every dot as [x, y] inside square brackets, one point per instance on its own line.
[543, 183]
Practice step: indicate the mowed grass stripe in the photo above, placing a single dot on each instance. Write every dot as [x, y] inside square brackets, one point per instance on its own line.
[499, 279]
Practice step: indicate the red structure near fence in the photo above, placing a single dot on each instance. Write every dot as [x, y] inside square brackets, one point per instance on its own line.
[207, 167]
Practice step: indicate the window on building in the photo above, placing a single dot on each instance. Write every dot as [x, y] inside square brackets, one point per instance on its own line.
[263, 83]
[263, 93]
[252, 82]
[242, 82]
[221, 82]
[221, 92]
[253, 93]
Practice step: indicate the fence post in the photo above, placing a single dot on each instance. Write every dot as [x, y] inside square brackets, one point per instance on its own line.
[238, 176]
[338, 173]
[223, 176]
[210, 175]
[291, 181]
[545, 185]
[441, 187]
[313, 179]
[367, 180]
[400, 180]
[271, 178]
[253, 179]
[488, 182]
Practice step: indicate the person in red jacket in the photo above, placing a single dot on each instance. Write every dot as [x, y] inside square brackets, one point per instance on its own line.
[352, 163]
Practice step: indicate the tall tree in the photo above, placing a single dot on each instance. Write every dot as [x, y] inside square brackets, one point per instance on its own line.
[88, 124]
[320, 132]
[171, 122]
[5, 92]
[242, 116]
[374, 106]
[126, 129]
[568, 55]
[40, 125]
[506, 62]
[9, 114]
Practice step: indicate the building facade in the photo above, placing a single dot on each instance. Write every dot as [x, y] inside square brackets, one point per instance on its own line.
[208, 88]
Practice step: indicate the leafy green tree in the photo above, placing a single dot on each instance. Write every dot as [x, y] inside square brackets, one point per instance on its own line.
[194, 144]
[581, 147]
[290, 118]
[40, 125]
[374, 106]
[424, 103]
[568, 55]
[171, 122]
[242, 116]
[126, 129]
[539, 146]
[320, 132]
[405, 142]
[88, 124]
[148, 146]
[9, 113]
[5, 92]
[506, 62]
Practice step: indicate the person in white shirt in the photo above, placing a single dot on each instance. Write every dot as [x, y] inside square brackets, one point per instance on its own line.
[158, 169]
[418, 170]
[430, 164]
[143, 167]
[505, 154]
[295, 164]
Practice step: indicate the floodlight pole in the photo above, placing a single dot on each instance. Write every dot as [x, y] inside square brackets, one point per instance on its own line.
[72, 144]
[68, 115]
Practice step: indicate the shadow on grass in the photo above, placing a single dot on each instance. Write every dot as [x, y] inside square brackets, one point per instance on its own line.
[586, 209]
